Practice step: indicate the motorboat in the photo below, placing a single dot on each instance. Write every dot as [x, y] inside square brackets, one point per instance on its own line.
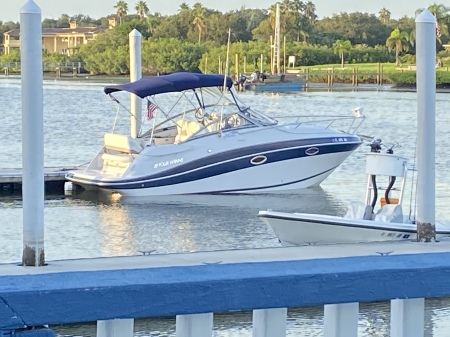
[203, 139]
[364, 221]
[274, 86]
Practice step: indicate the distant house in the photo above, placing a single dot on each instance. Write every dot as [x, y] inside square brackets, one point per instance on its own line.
[58, 40]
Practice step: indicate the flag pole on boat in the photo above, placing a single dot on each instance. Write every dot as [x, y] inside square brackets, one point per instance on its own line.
[426, 106]
[227, 61]
[226, 74]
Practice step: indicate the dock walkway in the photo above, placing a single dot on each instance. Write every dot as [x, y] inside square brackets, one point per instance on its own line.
[54, 179]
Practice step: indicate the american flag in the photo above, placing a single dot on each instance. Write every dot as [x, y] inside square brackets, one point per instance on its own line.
[438, 30]
[151, 107]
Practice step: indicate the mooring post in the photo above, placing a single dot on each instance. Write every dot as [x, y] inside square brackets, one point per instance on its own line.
[32, 134]
[426, 106]
[135, 74]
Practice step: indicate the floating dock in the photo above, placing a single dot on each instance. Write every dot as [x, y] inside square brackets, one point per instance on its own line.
[54, 180]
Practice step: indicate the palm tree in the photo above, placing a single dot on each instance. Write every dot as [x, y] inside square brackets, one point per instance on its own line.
[340, 47]
[399, 41]
[183, 7]
[153, 20]
[199, 19]
[122, 10]
[141, 9]
[310, 12]
[384, 15]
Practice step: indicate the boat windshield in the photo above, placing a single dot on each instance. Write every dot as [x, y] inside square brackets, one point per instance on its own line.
[202, 111]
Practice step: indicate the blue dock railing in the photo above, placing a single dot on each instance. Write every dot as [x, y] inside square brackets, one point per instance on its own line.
[193, 286]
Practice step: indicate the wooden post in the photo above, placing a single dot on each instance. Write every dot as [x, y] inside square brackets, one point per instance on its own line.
[206, 65]
[306, 77]
[271, 55]
[407, 317]
[198, 325]
[379, 73]
[328, 77]
[245, 64]
[332, 76]
[341, 320]
[261, 63]
[236, 62]
[284, 54]
[356, 76]
[220, 66]
[269, 322]
[115, 328]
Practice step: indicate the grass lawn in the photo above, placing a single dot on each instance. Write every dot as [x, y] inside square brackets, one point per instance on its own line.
[363, 67]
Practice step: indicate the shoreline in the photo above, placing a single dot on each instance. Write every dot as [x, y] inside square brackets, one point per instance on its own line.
[309, 87]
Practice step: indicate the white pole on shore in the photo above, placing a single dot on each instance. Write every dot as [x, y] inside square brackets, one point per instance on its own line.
[32, 134]
[426, 106]
[135, 38]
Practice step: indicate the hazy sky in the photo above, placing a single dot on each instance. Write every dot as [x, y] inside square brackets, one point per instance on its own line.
[10, 9]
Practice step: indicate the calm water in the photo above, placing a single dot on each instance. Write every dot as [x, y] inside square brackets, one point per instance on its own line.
[77, 115]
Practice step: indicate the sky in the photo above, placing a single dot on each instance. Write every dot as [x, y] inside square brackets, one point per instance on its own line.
[10, 9]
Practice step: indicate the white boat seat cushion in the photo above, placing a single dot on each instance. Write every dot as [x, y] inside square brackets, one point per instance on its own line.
[186, 129]
[390, 213]
[121, 143]
[359, 211]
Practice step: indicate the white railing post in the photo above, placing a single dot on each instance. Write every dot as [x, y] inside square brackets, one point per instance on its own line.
[116, 328]
[408, 317]
[341, 320]
[269, 322]
[197, 325]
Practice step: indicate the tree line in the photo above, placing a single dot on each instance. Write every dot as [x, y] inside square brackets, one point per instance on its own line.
[195, 37]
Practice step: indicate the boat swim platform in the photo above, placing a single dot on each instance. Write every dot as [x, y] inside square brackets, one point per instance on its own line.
[54, 180]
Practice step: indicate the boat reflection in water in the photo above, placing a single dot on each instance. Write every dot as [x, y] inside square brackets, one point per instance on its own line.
[201, 222]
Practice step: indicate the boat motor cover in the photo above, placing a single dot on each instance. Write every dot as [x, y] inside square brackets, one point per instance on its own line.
[176, 82]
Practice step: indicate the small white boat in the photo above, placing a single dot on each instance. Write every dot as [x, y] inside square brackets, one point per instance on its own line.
[362, 222]
[204, 140]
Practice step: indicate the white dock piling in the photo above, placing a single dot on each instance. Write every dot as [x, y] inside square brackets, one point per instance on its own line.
[426, 96]
[135, 38]
[269, 322]
[32, 134]
[116, 328]
[407, 317]
[196, 325]
[341, 320]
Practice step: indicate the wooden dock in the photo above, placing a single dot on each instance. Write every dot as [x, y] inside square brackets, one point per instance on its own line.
[54, 180]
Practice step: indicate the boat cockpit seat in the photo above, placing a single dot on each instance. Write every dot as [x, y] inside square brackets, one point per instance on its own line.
[390, 213]
[121, 143]
[185, 129]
